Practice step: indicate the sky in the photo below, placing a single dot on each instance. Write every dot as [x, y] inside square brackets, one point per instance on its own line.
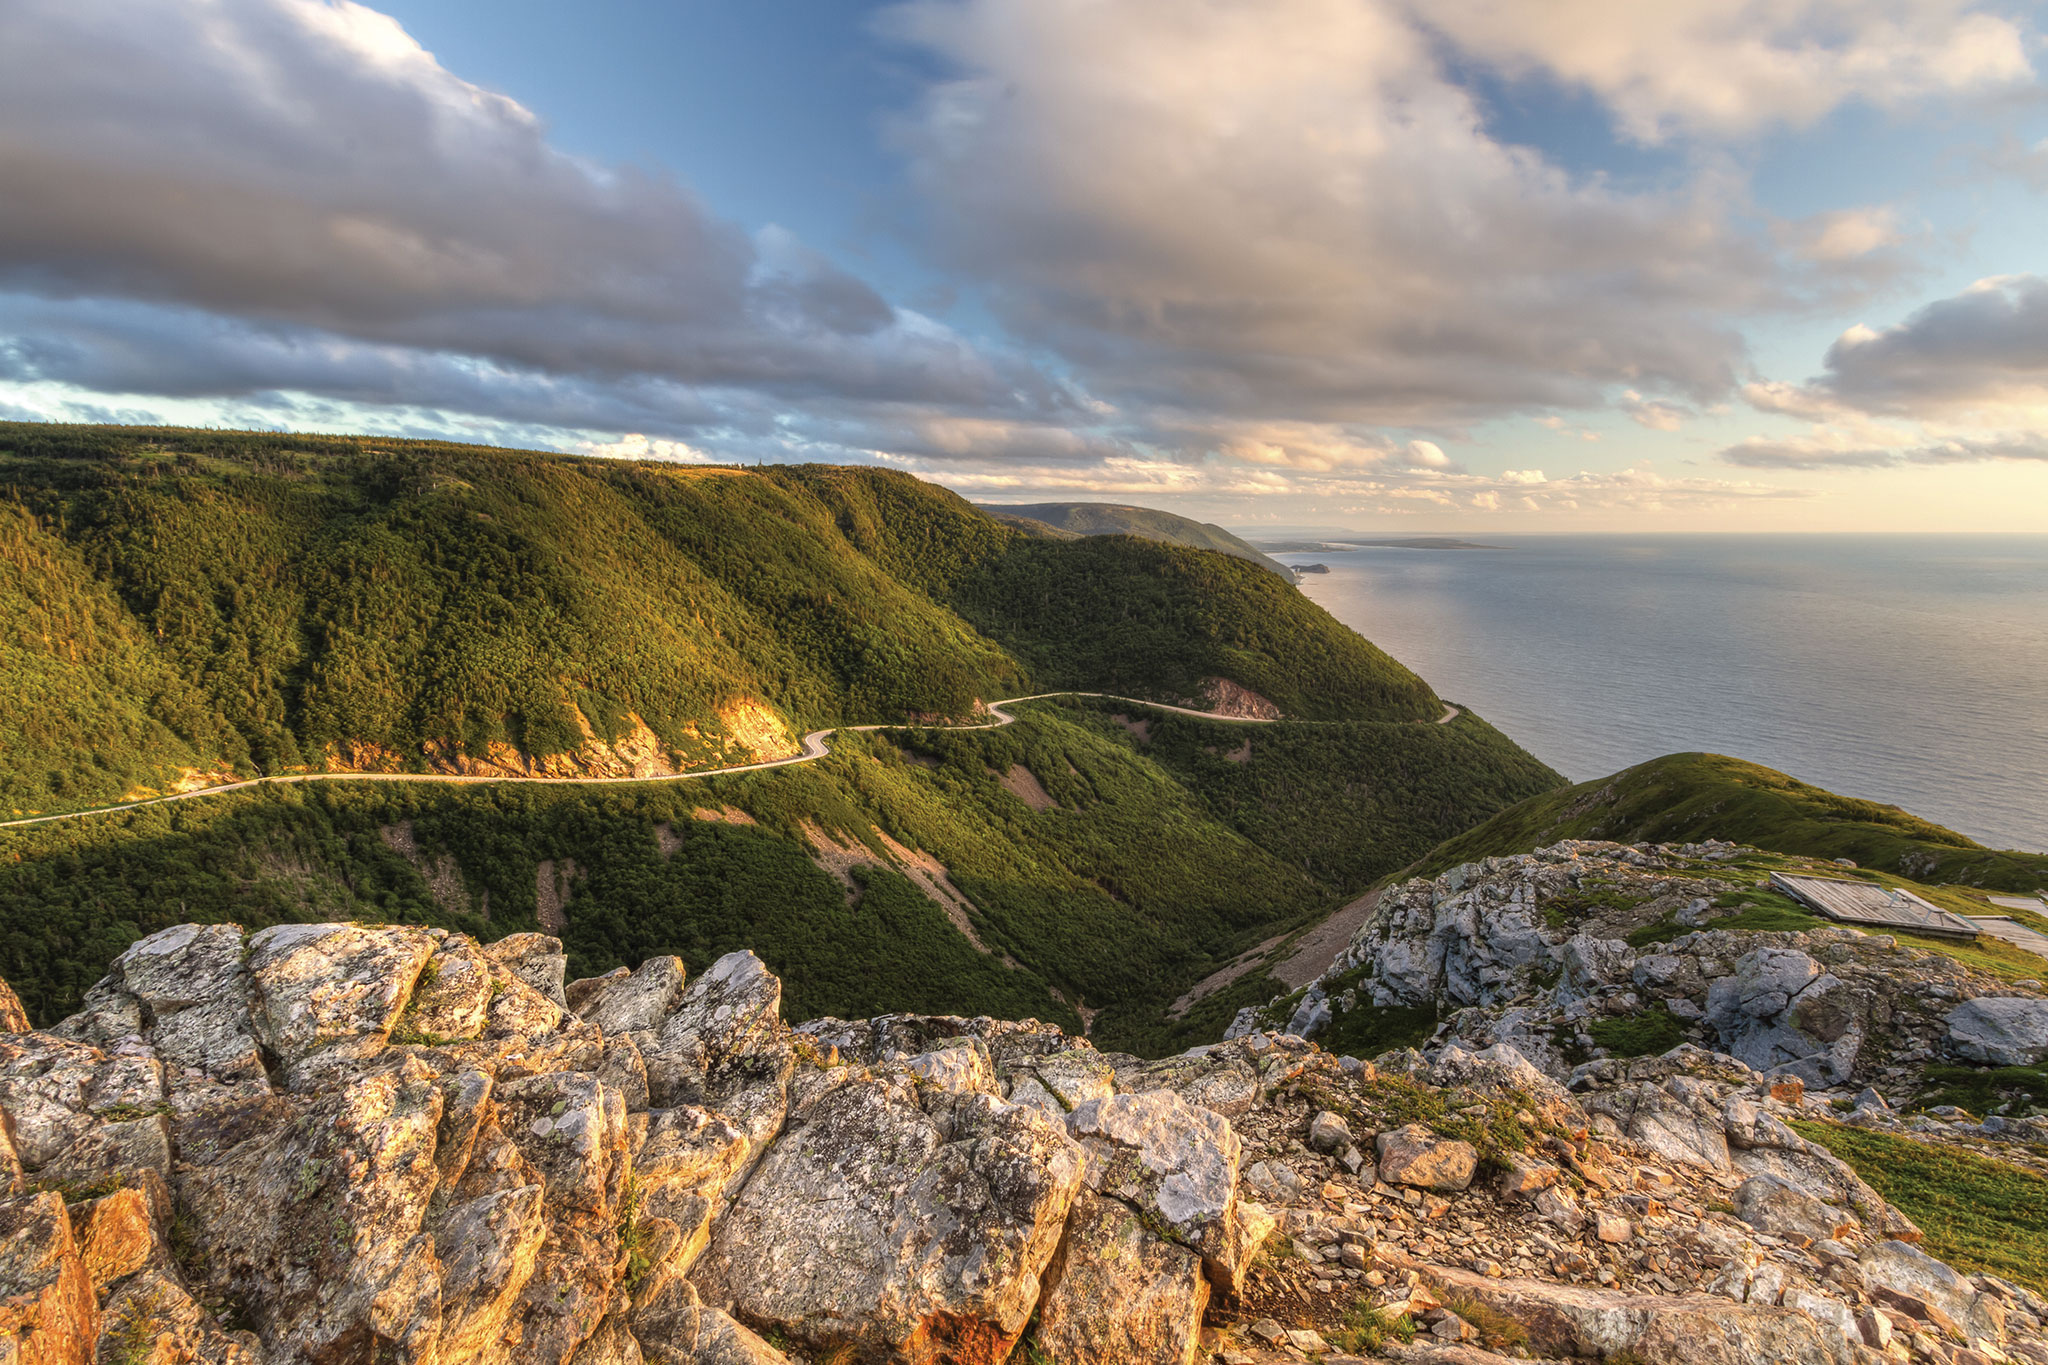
[1381, 265]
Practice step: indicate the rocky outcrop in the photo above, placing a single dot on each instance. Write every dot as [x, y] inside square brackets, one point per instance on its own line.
[323, 1144]
[338, 1142]
[2000, 1031]
[1534, 951]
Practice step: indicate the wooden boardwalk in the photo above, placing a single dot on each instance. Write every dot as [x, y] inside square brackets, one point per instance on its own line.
[1879, 907]
[2015, 933]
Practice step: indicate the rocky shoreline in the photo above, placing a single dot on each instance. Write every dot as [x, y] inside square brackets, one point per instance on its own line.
[335, 1143]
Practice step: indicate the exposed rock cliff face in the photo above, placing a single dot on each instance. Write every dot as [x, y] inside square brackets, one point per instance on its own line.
[335, 1143]
[1534, 950]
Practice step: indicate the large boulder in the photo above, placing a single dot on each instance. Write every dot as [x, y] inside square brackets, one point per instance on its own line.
[1414, 1155]
[2000, 1030]
[1679, 1119]
[635, 1000]
[1119, 1293]
[899, 1218]
[1672, 1329]
[328, 994]
[1177, 1165]
[1770, 1205]
[1908, 1270]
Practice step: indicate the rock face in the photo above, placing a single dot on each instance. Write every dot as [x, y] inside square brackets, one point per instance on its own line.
[334, 1142]
[1532, 951]
[329, 1144]
[2001, 1031]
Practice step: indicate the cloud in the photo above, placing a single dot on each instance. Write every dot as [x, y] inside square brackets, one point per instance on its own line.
[1986, 347]
[1287, 210]
[1961, 380]
[1845, 235]
[303, 171]
[1658, 416]
[1730, 68]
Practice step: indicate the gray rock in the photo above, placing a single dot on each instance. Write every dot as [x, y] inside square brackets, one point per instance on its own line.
[897, 1219]
[1328, 1132]
[640, 1000]
[1907, 1269]
[1158, 1153]
[2000, 1030]
[1770, 1205]
[536, 959]
[330, 993]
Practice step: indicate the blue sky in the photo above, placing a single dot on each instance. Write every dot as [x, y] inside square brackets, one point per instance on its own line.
[1281, 263]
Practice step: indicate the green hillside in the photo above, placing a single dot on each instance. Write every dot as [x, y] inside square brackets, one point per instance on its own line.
[1098, 867]
[1688, 797]
[183, 606]
[1064, 519]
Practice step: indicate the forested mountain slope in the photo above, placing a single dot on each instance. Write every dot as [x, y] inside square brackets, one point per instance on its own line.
[1682, 798]
[1081, 858]
[179, 607]
[1147, 523]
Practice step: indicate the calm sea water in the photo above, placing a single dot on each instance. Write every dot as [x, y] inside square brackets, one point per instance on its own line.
[1906, 669]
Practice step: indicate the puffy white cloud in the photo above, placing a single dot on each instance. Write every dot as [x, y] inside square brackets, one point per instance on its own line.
[1286, 210]
[1962, 380]
[1732, 67]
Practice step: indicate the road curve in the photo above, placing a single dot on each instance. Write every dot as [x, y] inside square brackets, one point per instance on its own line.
[813, 748]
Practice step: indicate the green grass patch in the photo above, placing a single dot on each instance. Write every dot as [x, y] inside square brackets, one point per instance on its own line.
[1645, 1033]
[1979, 1215]
[1688, 798]
[1366, 1329]
[1367, 1031]
[1981, 1089]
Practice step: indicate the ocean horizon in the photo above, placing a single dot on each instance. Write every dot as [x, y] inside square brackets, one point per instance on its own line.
[1909, 669]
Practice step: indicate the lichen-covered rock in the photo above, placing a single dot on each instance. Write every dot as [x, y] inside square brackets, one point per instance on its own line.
[430, 1158]
[640, 999]
[1414, 1155]
[1119, 1294]
[1176, 1163]
[1770, 1205]
[329, 993]
[1909, 1270]
[13, 1018]
[48, 1312]
[911, 1221]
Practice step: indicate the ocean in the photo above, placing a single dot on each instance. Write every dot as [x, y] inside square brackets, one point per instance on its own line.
[1906, 669]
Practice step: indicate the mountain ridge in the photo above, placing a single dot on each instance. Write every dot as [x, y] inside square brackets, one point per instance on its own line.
[189, 604]
[1110, 518]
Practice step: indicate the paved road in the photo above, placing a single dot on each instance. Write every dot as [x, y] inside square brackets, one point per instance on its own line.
[813, 748]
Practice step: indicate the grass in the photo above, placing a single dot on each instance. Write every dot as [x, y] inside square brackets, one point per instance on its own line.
[1687, 798]
[1369, 1030]
[1366, 1329]
[1979, 1215]
[1498, 1331]
[1980, 1090]
[1646, 1033]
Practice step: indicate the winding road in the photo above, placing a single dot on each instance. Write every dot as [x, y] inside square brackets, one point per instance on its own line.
[813, 748]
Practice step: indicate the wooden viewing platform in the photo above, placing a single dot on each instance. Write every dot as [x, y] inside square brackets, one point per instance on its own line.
[1880, 907]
